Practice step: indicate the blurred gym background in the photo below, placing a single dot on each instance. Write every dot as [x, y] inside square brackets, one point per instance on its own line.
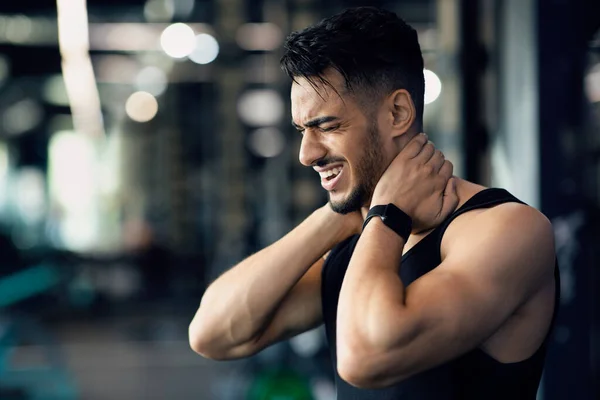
[145, 147]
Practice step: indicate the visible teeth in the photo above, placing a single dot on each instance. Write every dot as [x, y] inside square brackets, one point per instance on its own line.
[331, 172]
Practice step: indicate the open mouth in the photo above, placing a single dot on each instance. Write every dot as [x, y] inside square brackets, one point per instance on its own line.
[331, 174]
[331, 177]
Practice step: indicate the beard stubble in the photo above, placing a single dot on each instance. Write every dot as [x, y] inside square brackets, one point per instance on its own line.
[368, 171]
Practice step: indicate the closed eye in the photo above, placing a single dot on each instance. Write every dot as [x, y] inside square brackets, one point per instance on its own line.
[321, 129]
[317, 122]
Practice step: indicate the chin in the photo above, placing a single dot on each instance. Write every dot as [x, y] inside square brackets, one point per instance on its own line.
[339, 208]
[337, 205]
[345, 205]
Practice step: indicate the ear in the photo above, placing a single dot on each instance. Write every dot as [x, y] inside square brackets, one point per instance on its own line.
[402, 112]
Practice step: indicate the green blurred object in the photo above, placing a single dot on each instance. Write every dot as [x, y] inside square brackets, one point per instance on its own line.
[279, 385]
[48, 377]
[27, 283]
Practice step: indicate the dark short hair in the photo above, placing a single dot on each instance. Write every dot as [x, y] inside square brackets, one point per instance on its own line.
[373, 49]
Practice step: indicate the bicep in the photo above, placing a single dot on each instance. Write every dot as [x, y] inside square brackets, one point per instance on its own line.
[488, 274]
[456, 313]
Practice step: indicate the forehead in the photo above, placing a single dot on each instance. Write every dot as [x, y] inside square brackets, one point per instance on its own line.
[313, 99]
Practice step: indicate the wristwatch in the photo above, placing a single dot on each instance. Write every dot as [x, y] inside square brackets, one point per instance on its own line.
[393, 217]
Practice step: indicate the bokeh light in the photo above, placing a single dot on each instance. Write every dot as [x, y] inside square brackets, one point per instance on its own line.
[22, 116]
[206, 50]
[307, 344]
[30, 194]
[159, 10]
[54, 91]
[18, 29]
[260, 107]
[72, 186]
[592, 84]
[178, 40]
[156, 59]
[71, 159]
[305, 194]
[266, 142]
[141, 106]
[433, 86]
[152, 80]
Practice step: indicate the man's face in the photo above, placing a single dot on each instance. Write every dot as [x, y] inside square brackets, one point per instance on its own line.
[339, 141]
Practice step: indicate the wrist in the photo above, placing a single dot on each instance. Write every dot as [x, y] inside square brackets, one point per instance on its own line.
[376, 227]
[377, 202]
[402, 206]
[392, 217]
[331, 226]
[382, 201]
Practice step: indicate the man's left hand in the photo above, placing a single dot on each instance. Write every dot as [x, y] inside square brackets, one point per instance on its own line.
[419, 181]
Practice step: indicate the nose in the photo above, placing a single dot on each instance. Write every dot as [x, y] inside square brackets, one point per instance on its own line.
[311, 149]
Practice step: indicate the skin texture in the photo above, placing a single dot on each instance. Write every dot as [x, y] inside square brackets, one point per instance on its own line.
[347, 137]
[271, 295]
[494, 288]
[489, 284]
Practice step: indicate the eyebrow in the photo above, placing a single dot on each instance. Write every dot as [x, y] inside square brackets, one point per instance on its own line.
[316, 122]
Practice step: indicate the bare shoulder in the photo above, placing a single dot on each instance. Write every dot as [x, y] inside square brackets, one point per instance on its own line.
[508, 221]
[514, 218]
[520, 221]
[510, 236]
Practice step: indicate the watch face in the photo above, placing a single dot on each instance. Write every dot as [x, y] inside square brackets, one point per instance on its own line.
[396, 220]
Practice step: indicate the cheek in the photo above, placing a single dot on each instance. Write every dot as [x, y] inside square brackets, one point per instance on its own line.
[370, 161]
[352, 153]
[354, 162]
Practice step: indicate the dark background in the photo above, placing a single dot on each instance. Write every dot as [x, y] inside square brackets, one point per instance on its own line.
[117, 208]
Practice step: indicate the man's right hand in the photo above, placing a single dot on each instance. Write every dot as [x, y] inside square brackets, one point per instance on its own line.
[273, 294]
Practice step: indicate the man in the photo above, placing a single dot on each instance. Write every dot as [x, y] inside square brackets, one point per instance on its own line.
[449, 289]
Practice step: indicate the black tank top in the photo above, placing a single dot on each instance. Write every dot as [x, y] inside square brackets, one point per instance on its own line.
[474, 375]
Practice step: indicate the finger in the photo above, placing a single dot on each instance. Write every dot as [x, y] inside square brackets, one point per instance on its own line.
[425, 155]
[450, 199]
[446, 171]
[415, 145]
[450, 187]
[437, 161]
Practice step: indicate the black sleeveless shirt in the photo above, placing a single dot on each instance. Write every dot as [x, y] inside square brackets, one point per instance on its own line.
[474, 375]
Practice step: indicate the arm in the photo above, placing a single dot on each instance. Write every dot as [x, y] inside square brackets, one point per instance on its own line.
[387, 332]
[272, 295]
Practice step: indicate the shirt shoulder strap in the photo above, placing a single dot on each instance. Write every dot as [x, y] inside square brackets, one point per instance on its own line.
[484, 199]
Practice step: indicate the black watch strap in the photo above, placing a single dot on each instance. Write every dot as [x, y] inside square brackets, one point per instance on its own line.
[393, 217]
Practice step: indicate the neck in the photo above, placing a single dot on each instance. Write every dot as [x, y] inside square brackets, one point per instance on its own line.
[402, 140]
[464, 190]
[364, 211]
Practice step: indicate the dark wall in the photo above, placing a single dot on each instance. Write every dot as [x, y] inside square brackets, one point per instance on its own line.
[564, 30]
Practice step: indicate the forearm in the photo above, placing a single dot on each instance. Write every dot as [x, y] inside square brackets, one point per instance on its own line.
[240, 304]
[372, 298]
